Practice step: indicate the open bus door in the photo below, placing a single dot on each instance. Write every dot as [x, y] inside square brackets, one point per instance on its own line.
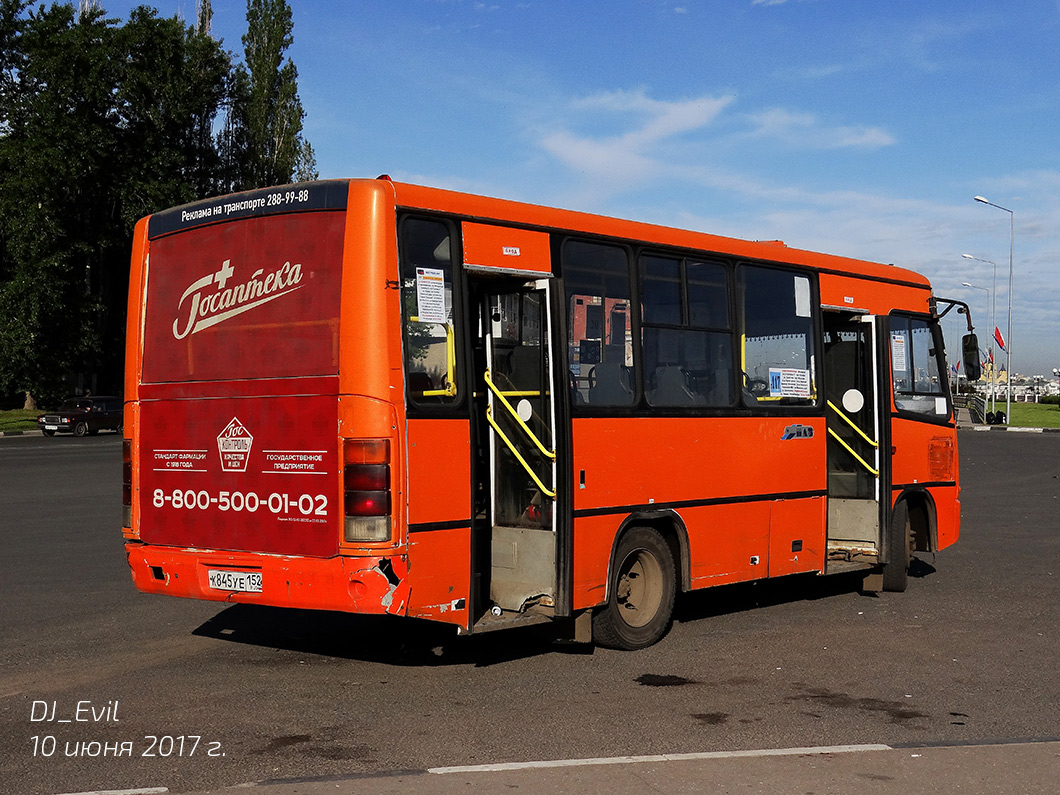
[521, 553]
[857, 433]
[518, 433]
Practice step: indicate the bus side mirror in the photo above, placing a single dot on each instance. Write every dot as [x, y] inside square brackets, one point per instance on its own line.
[972, 365]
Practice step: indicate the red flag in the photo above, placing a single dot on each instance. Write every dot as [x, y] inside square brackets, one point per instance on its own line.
[999, 338]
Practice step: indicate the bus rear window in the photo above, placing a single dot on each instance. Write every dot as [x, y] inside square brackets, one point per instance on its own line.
[254, 298]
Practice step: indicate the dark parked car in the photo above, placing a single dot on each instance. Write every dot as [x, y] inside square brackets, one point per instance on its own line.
[83, 415]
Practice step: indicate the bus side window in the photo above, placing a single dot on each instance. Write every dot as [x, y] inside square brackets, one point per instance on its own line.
[685, 332]
[600, 330]
[777, 352]
[427, 307]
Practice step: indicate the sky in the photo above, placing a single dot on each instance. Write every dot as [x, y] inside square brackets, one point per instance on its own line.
[853, 128]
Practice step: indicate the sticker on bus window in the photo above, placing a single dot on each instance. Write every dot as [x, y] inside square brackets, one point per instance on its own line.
[789, 382]
[430, 295]
[898, 352]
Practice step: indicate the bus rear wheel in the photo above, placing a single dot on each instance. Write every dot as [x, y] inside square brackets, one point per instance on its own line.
[641, 592]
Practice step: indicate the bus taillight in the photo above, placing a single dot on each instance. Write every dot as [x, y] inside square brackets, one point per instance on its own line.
[366, 485]
[126, 483]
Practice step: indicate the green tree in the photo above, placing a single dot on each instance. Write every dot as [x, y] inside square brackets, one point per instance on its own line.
[170, 93]
[263, 140]
[100, 125]
[53, 155]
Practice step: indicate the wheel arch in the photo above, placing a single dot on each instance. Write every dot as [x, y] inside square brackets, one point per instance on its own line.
[923, 518]
[667, 523]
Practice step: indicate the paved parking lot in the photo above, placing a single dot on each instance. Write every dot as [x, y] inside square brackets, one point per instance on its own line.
[965, 659]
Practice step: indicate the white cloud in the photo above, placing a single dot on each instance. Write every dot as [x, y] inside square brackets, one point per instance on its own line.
[641, 139]
[805, 131]
[628, 157]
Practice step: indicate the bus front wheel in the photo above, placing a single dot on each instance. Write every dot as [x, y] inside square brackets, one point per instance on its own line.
[641, 592]
[899, 552]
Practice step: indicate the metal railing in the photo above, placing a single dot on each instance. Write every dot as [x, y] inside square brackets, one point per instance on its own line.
[974, 403]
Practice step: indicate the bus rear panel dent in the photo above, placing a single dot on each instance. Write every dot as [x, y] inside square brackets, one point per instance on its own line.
[380, 398]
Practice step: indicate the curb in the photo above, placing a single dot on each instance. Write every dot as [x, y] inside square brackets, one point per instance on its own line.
[995, 428]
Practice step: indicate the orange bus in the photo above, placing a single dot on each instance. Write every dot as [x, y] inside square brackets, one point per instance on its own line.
[381, 398]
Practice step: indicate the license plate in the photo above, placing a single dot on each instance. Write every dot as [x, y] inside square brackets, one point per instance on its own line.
[51, 427]
[245, 581]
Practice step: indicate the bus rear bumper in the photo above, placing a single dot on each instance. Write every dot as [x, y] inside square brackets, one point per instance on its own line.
[369, 585]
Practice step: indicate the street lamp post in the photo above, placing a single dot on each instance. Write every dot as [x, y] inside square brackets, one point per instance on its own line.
[1008, 338]
[993, 376]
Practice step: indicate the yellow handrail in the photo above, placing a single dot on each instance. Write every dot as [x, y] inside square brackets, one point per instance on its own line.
[521, 393]
[550, 454]
[493, 423]
[849, 449]
[850, 422]
[450, 366]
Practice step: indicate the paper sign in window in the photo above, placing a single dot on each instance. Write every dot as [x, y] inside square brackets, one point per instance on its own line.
[898, 353]
[430, 295]
[789, 382]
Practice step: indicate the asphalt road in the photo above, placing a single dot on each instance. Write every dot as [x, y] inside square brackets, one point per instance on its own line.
[968, 655]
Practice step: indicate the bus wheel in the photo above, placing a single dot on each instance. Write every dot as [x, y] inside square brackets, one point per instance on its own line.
[640, 594]
[899, 547]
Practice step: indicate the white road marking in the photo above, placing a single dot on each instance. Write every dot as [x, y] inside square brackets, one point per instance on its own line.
[633, 760]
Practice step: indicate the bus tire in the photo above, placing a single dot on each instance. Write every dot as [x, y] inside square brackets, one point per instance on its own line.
[641, 592]
[899, 549]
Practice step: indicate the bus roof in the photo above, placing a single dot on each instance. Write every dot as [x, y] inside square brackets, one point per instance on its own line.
[502, 210]
[331, 195]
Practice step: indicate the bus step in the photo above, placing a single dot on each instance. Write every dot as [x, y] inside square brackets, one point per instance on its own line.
[490, 622]
[852, 551]
[841, 566]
